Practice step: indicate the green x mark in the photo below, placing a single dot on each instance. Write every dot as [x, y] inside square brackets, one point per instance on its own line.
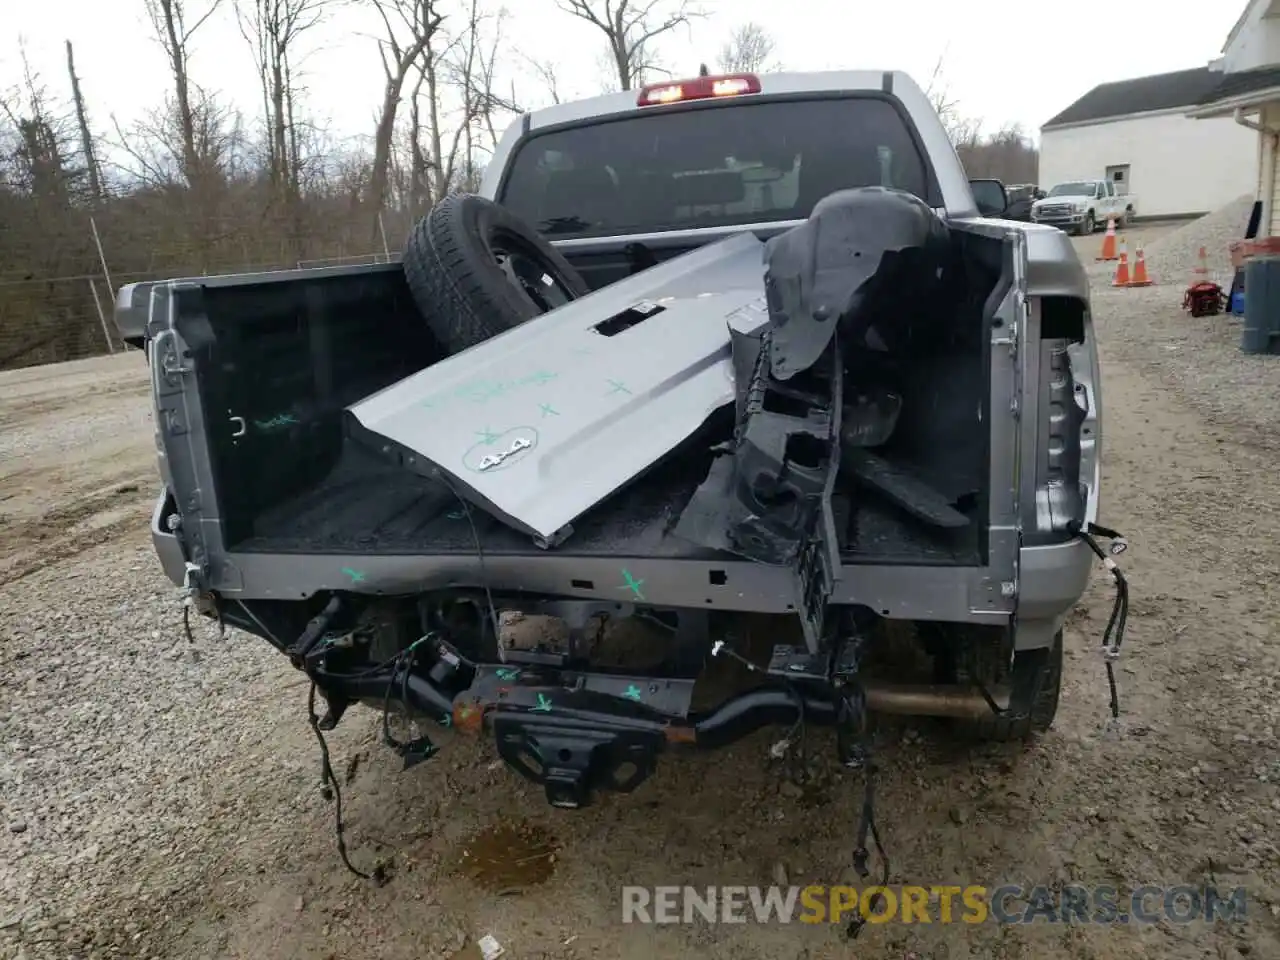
[544, 704]
[548, 410]
[355, 575]
[618, 387]
[506, 673]
[632, 584]
[632, 692]
[275, 423]
[487, 436]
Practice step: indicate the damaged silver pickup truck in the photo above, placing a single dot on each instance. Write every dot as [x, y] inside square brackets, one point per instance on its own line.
[728, 357]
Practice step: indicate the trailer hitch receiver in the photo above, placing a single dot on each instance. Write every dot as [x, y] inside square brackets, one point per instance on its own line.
[572, 759]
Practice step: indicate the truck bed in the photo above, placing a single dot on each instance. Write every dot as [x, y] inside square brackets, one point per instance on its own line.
[368, 506]
[280, 358]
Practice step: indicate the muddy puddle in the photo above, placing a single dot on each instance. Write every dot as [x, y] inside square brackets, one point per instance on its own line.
[509, 857]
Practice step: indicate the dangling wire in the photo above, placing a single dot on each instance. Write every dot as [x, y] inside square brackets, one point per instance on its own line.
[1113, 635]
[331, 780]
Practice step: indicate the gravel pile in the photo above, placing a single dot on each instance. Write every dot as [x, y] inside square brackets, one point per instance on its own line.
[1199, 358]
[1173, 255]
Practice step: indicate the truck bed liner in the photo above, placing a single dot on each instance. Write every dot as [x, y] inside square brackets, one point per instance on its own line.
[368, 506]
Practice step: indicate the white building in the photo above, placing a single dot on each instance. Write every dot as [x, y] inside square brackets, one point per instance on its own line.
[1138, 134]
[1247, 95]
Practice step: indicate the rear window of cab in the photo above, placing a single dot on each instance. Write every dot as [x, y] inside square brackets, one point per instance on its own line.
[750, 162]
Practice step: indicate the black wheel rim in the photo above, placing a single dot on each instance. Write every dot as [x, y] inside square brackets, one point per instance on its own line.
[530, 271]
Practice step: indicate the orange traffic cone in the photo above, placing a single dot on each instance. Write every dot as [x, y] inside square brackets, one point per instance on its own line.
[1200, 273]
[1122, 271]
[1140, 278]
[1109, 242]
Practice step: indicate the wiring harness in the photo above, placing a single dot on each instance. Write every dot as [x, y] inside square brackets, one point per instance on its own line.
[1113, 635]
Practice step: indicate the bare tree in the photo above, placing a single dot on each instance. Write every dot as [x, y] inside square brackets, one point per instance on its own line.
[960, 129]
[548, 75]
[170, 20]
[441, 160]
[462, 68]
[630, 28]
[479, 76]
[749, 49]
[41, 157]
[419, 173]
[411, 27]
[1007, 155]
[472, 71]
[155, 144]
[273, 29]
[88, 151]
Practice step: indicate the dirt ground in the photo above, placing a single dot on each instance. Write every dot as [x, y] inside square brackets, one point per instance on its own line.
[75, 452]
[161, 799]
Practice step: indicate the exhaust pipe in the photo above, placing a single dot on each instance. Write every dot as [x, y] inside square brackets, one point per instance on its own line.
[932, 700]
[772, 706]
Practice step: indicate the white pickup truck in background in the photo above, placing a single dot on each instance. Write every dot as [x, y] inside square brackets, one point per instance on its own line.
[1081, 206]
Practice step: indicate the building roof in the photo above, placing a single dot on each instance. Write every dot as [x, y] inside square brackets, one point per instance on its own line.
[1239, 25]
[1243, 82]
[1164, 91]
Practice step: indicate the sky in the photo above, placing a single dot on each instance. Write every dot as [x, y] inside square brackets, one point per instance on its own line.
[1004, 61]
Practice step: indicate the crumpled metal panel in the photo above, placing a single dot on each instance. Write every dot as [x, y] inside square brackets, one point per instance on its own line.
[860, 250]
[540, 424]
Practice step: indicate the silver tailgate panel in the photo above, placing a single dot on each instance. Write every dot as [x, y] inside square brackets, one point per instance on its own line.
[545, 421]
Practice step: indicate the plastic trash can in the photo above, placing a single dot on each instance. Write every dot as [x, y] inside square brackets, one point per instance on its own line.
[1261, 331]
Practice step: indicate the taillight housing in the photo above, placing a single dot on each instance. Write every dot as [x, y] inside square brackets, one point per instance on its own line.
[699, 88]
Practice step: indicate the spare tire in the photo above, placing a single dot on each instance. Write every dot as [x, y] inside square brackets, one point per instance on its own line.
[475, 270]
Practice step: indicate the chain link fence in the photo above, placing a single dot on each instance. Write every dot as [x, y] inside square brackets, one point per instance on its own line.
[70, 316]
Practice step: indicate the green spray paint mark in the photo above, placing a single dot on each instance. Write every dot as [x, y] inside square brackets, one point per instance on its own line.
[548, 410]
[487, 436]
[618, 387]
[276, 423]
[355, 575]
[506, 673]
[456, 515]
[632, 692]
[446, 720]
[632, 584]
[482, 391]
[544, 704]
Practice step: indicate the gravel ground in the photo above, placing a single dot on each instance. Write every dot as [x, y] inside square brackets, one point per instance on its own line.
[159, 798]
[1199, 359]
[75, 450]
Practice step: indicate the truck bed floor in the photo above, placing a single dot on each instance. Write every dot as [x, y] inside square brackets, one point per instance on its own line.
[367, 506]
